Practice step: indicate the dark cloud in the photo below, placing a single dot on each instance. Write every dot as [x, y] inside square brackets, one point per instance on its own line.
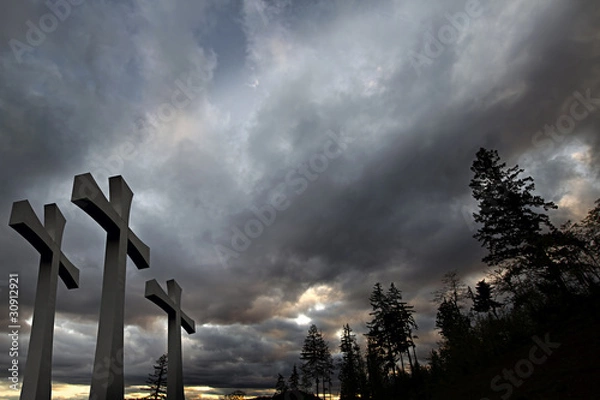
[268, 83]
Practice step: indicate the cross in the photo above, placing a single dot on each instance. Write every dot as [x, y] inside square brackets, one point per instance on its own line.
[47, 240]
[113, 216]
[171, 304]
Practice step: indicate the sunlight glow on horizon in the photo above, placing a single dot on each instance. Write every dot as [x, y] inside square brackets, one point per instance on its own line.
[62, 391]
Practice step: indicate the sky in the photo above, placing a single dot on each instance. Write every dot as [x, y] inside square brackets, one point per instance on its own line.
[284, 156]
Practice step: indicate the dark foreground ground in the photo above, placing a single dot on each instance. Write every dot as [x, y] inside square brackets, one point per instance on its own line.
[571, 371]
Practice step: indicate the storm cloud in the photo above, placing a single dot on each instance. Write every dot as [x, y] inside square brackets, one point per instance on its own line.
[343, 129]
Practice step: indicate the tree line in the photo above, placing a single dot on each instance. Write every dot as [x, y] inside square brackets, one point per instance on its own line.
[390, 355]
[536, 273]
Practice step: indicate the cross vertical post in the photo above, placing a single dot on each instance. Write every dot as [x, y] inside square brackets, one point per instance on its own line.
[113, 216]
[171, 303]
[47, 240]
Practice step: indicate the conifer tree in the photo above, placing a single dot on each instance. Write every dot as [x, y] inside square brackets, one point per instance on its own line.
[318, 363]
[280, 386]
[294, 380]
[515, 228]
[578, 247]
[401, 324]
[377, 377]
[380, 346]
[391, 328]
[453, 323]
[352, 375]
[482, 298]
[157, 381]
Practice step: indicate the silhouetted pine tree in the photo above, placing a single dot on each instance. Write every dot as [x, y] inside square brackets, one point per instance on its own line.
[401, 325]
[318, 363]
[577, 246]
[482, 299]
[516, 235]
[454, 325]
[280, 386]
[294, 380]
[352, 375]
[391, 328]
[362, 368]
[376, 370]
[380, 331]
[306, 381]
[157, 381]
[588, 232]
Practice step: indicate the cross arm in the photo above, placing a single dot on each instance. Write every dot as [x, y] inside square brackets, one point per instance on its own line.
[46, 239]
[187, 323]
[138, 251]
[24, 221]
[174, 293]
[54, 223]
[89, 197]
[155, 294]
[68, 273]
[158, 296]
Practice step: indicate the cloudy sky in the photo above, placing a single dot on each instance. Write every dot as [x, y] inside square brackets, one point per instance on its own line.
[348, 126]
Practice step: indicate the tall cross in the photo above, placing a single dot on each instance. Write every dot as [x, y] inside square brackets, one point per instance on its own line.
[47, 240]
[113, 216]
[171, 304]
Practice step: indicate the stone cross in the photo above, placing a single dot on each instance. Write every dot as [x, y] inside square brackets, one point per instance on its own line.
[47, 240]
[113, 216]
[171, 304]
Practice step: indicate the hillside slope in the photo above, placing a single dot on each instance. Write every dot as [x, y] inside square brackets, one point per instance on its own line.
[571, 371]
